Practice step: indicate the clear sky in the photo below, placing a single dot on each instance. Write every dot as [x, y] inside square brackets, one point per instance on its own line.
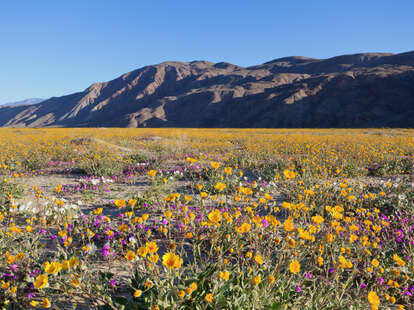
[52, 47]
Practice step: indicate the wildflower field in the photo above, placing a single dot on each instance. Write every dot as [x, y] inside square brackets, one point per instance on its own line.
[206, 219]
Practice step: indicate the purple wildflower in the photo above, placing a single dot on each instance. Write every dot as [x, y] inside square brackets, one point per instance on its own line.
[106, 250]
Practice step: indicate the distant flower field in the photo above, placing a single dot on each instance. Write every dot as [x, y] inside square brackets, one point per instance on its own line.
[206, 219]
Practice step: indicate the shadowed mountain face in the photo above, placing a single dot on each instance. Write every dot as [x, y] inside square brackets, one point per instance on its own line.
[361, 90]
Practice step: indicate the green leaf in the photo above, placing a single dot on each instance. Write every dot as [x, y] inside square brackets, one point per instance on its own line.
[120, 300]
[274, 306]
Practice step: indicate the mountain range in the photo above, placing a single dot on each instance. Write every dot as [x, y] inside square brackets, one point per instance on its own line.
[23, 102]
[358, 90]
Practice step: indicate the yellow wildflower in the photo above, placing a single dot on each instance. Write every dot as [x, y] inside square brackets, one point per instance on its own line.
[171, 260]
[41, 281]
[294, 267]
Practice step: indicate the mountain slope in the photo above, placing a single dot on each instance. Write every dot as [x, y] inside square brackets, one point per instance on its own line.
[360, 90]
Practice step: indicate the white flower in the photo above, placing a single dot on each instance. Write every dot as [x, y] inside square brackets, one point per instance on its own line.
[25, 207]
[91, 248]
[29, 278]
[401, 197]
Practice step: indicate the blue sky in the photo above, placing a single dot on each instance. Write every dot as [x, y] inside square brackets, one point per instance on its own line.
[53, 48]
